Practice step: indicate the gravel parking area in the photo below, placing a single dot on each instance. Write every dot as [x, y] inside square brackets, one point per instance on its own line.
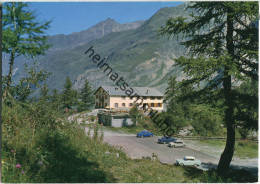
[144, 147]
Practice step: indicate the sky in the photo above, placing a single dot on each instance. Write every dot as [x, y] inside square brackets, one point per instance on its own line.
[77, 16]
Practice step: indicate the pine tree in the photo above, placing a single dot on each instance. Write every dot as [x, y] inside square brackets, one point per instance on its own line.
[86, 96]
[222, 40]
[69, 96]
[55, 96]
[55, 99]
[22, 34]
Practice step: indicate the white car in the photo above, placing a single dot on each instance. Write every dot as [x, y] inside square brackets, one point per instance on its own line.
[188, 161]
[176, 144]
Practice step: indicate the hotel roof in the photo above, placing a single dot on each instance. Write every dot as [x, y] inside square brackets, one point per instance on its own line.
[141, 91]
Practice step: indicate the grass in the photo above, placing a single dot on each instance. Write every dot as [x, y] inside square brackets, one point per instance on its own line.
[243, 148]
[213, 142]
[246, 149]
[145, 170]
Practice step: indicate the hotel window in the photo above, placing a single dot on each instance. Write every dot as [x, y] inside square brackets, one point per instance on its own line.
[152, 98]
[116, 104]
[152, 104]
[159, 98]
[144, 97]
[159, 104]
[130, 104]
[123, 104]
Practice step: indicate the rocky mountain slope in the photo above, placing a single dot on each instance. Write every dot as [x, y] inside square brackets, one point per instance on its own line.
[135, 51]
[61, 41]
[99, 30]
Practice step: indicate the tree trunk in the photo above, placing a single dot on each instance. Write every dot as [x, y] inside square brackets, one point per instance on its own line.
[226, 156]
[11, 65]
[1, 89]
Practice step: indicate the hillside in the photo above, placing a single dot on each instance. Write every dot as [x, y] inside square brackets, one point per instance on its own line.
[61, 41]
[136, 51]
[97, 31]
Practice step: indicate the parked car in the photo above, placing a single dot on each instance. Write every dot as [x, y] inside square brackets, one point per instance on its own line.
[144, 133]
[188, 161]
[165, 139]
[177, 144]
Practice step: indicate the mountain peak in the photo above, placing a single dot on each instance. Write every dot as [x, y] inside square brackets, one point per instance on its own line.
[108, 21]
[97, 31]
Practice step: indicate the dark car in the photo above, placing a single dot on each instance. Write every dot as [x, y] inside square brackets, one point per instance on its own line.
[144, 133]
[165, 139]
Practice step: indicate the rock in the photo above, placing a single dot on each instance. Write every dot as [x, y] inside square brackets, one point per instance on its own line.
[186, 131]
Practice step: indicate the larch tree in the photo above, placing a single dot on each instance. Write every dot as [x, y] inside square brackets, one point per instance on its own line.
[23, 35]
[222, 50]
[44, 92]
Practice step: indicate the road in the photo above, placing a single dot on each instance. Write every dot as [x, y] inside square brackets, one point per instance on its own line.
[144, 147]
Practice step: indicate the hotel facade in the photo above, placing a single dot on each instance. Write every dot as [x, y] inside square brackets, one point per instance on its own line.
[112, 97]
